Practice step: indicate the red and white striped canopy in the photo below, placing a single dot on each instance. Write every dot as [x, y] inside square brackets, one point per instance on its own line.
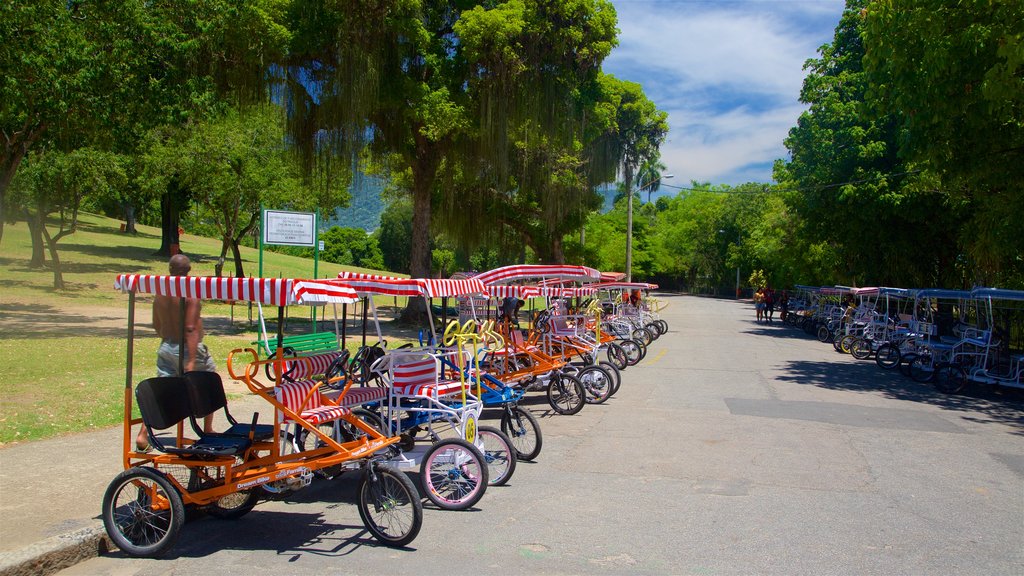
[624, 286]
[374, 285]
[518, 272]
[525, 291]
[612, 276]
[270, 291]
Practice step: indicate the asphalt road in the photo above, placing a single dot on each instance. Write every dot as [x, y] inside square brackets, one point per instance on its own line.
[733, 448]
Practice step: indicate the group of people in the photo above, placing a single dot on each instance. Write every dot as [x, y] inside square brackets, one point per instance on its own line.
[765, 300]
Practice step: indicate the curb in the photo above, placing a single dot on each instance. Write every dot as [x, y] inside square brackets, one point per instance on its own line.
[56, 553]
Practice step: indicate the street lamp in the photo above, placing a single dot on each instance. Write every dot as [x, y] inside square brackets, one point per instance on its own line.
[629, 224]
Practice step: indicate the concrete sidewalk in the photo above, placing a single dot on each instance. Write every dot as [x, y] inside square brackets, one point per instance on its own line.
[51, 493]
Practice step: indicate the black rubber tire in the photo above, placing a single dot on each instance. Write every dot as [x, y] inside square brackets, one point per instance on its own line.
[921, 369]
[633, 350]
[662, 326]
[468, 483]
[642, 336]
[949, 378]
[887, 356]
[905, 361]
[499, 453]
[616, 375]
[597, 382]
[566, 394]
[617, 356]
[131, 524]
[823, 333]
[523, 431]
[390, 505]
[653, 328]
[846, 343]
[837, 344]
[860, 349]
[234, 506]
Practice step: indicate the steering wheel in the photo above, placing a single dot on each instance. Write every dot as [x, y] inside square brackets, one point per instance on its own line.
[336, 370]
[450, 332]
[541, 322]
[286, 352]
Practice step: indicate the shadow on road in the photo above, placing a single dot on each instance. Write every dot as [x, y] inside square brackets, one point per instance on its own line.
[988, 404]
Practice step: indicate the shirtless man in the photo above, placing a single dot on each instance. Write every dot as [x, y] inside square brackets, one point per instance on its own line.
[167, 323]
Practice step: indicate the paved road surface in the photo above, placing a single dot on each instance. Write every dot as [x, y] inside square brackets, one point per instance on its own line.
[734, 448]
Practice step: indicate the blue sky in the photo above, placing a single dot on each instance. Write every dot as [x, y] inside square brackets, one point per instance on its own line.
[728, 72]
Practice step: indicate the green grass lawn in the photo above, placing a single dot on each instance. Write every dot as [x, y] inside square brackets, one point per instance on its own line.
[64, 352]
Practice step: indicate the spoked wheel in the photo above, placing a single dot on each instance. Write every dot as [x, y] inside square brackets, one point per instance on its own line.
[905, 361]
[617, 356]
[389, 505]
[653, 329]
[643, 336]
[846, 343]
[454, 474]
[824, 334]
[633, 351]
[837, 343]
[523, 431]
[499, 453]
[566, 394]
[887, 356]
[616, 376]
[143, 512]
[950, 378]
[662, 326]
[861, 349]
[598, 383]
[921, 369]
[235, 505]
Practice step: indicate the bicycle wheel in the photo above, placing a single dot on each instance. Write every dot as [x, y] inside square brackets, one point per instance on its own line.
[454, 474]
[523, 430]
[837, 344]
[823, 333]
[597, 382]
[860, 349]
[662, 326]
[642, 335]
[887, 356]
[921, 369]
[616, 376]
[143, 512]
[617, 356]
[633, 351]
[905, 361]
[566, 394]
[653, 328]
[950, 378]
[846, 343]
[234, 505]
[499, 453]
[389, 505]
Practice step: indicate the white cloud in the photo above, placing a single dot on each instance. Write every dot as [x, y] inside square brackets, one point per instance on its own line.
[728, 73]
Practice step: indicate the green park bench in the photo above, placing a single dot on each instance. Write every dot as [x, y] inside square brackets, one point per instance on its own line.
[303, 344]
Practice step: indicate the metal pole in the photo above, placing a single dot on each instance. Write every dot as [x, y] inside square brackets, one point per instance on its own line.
[629, 236]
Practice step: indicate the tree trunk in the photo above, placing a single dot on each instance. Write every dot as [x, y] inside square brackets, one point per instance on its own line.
[557, 251]
[171, 203]
[235, 251]
[225, 243]
[16, 146]
[424, 171]
[36, 222]
[51, 244]
[129, 218]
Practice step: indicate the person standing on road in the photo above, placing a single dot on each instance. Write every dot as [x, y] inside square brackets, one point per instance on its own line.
[769, 303]
[759, 303]
[167, 321]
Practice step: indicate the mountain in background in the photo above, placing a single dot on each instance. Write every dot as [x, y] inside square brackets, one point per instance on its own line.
[366, 206]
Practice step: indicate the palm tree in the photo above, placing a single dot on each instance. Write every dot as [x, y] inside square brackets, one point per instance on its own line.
[649, 176]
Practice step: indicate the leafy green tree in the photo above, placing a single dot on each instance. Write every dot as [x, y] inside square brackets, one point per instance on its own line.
[352, 247]
[235, 164]
[849, 189]
[56, 182]
[395, 235]
[952, 76]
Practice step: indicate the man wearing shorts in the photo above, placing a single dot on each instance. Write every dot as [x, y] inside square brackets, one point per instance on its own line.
[167, 322]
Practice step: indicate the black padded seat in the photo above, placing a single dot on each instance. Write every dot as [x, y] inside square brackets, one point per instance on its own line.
[164, 402]
[206, 396]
